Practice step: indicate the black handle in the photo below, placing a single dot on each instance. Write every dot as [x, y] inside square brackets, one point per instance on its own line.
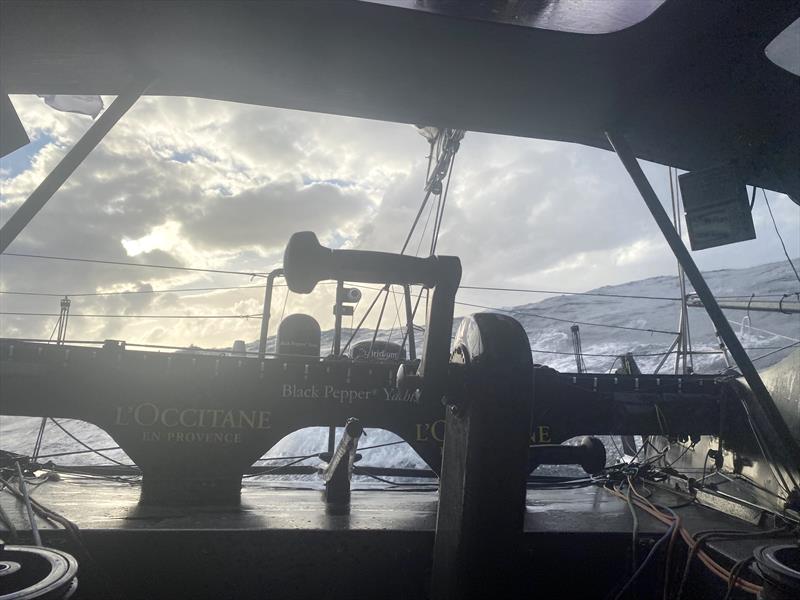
[306, 262]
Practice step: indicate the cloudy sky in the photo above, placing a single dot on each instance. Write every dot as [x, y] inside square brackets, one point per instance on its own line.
[217, 185]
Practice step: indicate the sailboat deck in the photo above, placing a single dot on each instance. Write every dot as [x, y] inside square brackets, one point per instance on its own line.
[101, 505]
[166, 552]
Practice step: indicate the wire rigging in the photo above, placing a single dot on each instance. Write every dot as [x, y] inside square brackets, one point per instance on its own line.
[133, 264]
[85, 445]
[551, 318]
[131, 292]
[124, 316]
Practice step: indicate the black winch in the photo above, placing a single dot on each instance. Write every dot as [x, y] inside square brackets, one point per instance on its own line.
[779, 566]
[31, 572]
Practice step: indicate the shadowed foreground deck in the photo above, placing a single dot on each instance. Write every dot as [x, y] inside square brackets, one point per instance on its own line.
[281, 543]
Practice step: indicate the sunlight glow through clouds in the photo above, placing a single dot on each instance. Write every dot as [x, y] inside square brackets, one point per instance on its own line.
[163, 237]
[211, 184]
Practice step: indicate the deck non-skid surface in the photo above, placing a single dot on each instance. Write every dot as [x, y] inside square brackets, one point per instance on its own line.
[108, 505]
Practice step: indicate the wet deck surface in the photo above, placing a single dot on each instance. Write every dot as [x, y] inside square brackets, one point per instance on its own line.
[108, 505]
[282, 539]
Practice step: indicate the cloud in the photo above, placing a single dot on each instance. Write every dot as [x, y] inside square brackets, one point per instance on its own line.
[266, 216]
[207, 184]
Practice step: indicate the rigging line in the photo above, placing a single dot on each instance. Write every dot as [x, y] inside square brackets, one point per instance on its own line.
[87, 446]
[225, 350]
[636, 354]
[382, 445]
[523, 312]
[23, 488]
[429, 187]
[116, 316]
[37, 446]
[780, 237]
[378, 324]
[430, 159]
[402, 251]
[435, 221]
[52, 333]
[363, 318]
[413, 316]
[786, 337]
[303, 457]
[127, 344]
[162, 291]
[416, 220]
[9, 524]
[396, 317]
[775, 351]
[438, 225]
[530, 291]
[634, 529]
[756, 296]
[132, 264]
[279, 467]
[283, 311]
[424, 229]
[92, 451]
[663, 539]
[126, 292]
[436, 175]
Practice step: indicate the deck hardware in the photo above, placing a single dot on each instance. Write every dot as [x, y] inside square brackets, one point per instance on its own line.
[339, 472]
[471, 553]
[590, 455]
[262, 340]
